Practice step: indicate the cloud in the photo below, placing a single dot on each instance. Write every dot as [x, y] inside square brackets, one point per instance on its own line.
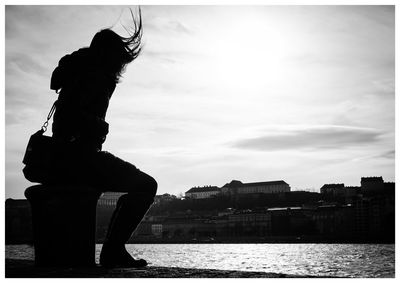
[163, 24]
[311, 138]
[179, 27]
[385, 86]
[171, 56]
[388, 154]
[383, 14]
[25, 63]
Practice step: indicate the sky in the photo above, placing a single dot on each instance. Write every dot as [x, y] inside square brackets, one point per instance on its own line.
[303, 94]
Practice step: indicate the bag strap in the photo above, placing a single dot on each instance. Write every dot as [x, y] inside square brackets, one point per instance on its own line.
[52, 109]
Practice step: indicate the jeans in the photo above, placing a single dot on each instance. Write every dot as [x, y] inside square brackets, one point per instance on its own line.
[100, 170]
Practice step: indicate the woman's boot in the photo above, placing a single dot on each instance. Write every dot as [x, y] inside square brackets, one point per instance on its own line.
[127, 216]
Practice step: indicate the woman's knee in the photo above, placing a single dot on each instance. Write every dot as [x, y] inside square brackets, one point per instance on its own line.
[145, 184]
[152, 186]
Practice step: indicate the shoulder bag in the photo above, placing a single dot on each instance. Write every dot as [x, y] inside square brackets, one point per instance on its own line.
[40, 152]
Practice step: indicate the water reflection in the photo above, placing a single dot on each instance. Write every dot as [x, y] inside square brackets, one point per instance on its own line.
[336, 260]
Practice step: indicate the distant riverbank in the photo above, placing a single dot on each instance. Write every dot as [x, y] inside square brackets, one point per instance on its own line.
[254, 240]
[278, 240]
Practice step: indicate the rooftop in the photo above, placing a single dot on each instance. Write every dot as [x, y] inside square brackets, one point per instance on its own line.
[203, 189]
[269, 183]
[333, 186]
[235, 184]
[380, 179]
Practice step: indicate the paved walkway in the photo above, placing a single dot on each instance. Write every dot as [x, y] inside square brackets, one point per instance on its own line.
[16, 268]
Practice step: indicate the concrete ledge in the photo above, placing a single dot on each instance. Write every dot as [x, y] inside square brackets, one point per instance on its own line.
[63, 214]
[18, 268]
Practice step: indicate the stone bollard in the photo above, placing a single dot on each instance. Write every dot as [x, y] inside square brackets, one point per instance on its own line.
[64, 224]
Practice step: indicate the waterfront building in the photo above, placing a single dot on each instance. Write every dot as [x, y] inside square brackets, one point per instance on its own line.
[248, 224]
[375, 217]
[226, 211]
[361, 206]
[105, 207]
[148, 230]
[109, 199]
[335, 221]
[154, 218]
[18, 223]
[156, 230]
[188, 227]
[202, 192]
[289, 221]
[144, 230]
[222, 226]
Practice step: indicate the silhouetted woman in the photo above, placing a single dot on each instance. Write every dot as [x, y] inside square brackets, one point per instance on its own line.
[86, 80]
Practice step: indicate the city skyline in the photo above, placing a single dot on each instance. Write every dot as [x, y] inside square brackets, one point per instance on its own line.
[303, 94]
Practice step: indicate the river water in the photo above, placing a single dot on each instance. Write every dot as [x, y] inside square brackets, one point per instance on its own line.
[332, 260]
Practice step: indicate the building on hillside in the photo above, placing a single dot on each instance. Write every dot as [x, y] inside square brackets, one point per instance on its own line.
[389, 186]
[372, 184]
[351, 191]
[202, 192]
[231, 188]
[164, 198]
[369, 185]
[236, 187]
[333, 189]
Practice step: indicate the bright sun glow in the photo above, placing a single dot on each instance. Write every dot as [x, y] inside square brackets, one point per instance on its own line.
[248, 52]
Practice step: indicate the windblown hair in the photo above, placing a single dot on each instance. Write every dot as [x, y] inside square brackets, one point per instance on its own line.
[115, 51]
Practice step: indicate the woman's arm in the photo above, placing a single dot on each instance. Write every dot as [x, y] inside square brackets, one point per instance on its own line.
[94, 93]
